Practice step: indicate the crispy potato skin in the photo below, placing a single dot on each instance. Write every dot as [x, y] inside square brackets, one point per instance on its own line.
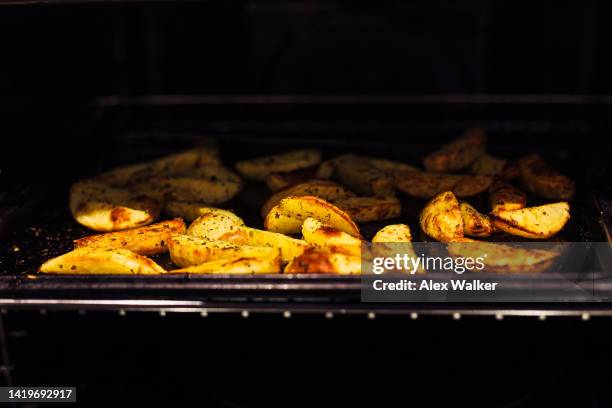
[259, 168]
[235, 266]
[427, 185]
[282, 180]
[215, 225]
[503, 258]
[458, 154]
[475, 224]
[94, 260]
[441, 218]
[149, 240]
[326, 237]
[302, 207]
[325, 189]
[362, 177]
[318, 261]
[539, 178]
[505, 197]
[102, 208]
[366, 209]
[540, 222]
[186, 250]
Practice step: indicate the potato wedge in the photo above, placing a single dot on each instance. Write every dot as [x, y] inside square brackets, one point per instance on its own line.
[475, 224]
[360, 176]
[469, 185]
[103, 208]
[393, 168]
[427, 185]
[366, 209]
[502, 258]
[399, 235]
[149, 240]
[282, 180]
[289, 247]
[259, 168]
[303, 207]
[318, 261]
[186, 250]
[505, 197]
[235, 266]
[539, 178]
[166, 166]
[487, 165]
[326, 237]
[541, 222]
[458, 154]
[216, 224]
[441, 218]
[94, 260]
[190, 210]
[325, 189]
[189, 189]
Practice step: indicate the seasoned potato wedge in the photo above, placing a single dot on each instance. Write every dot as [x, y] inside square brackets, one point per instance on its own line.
[103, 208]
[458, 154]
[189, 189]
[366, 209]
[325, 189]
[216, 224]
[304, 207]
[393, 167]
[166, 166]
[503, 258]
[95, 260]
[475, 224]
[214, 174]
[399, 235]
[318, 261]
[235, 266]
[190, 210]
[360, 176]
[541, 222]
[149, 240]
[259, 168]
[186, 250]
[427, 185]
[505, 197]
[289, 247]
[282, 180]
[328, 238]
[487, 165]
[539, 178]
[441, 218]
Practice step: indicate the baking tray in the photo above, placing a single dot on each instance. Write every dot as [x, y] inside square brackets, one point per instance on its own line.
[36, 224]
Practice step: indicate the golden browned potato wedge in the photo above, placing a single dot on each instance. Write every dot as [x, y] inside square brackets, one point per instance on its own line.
[505, 197]
[149, 240]
[441, 218]
[540, 222]
[326, 237]
[289, 247]
[539, 178]
[186, 250]
[325, 189]
[300, 208]
[216, 224]
[190, 210]
[487, 165]
[166, 166]
[366, 209]
[279, 181]
[235, 266]
[459, 153]
[503, 258]
[318, 261]
[396, 170]
[103, 208]
[94, 260]
[189, 189]
[258, 169]
[399, 235]
[475, 224]
[427, 185]
[362, 177]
